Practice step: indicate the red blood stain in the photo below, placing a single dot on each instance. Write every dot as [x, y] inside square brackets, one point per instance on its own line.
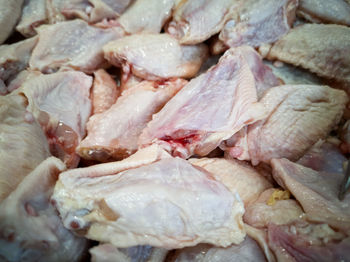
[183, 141]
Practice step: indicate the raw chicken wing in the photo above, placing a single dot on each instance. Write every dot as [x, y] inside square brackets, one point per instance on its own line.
[258, 22]
[298, 116]
[146, 16]
[317, 192]
[104, 92]
[13, 59]
[167, 203]
[30, 228]
[237, 176]
[155, 56]
[73, 44]
[194, 21]
[23, 144]
[209, 109]
[10, 12]
[114, 134]
[322, 49]
[331, 11]
[60, 102]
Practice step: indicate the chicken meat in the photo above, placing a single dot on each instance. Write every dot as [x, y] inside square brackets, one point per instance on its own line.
[194, 21]
[146, 16]
[10, 12]
[13, 59]
[167, 203]
[110, 253]
[30, 228]
[237, 176]
[318, 11]
[60, 102]
[317, 193]
[298, 116]
[155, 56]
[114, 135]
[258, 22]
[33, 15]
[73, 44]
[209, 109]
[21, 138]
[322, 49]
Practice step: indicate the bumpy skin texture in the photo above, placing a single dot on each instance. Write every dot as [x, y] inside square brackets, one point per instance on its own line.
[14, 58]
[318, 11]
[110, 135]
[283, 211]
[194, 21]
[317, 193]
[73, 44]
[33, 15]
[166, 203]
[91, 11]
[291, 242]
[155, 56]
[322, 49]
[146, 16]
[10, 11]
[236, 176]
[298, 116]
[61, 104]
[259, 22]
[30, 228]
[209, 109]
[21, 139]
[104, 91]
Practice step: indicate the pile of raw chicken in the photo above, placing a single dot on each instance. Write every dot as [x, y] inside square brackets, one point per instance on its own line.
[174, 130]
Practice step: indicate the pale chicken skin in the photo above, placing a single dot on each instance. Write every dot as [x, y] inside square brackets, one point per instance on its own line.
[318, 11]
[21, 138]
[248, 251]
[60, 102]
[316, 192]
[270, 209]
[298, 116]
[13, 59]
[114, 135]
[208, 110]
[10, 12]
[167, 203]
[237, 176]
[155, 131]
[194, 21]
[146, 16]
[91, 11]
[33, 15]
[104, 92]
[292, 75]
[325, 156]
[322, 49]
[155, 56]
[73, 44]
[30, 228]
[259, 22]
[110, 253]
[291, 242]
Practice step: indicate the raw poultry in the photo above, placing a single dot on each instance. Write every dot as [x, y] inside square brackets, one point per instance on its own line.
[174, 130]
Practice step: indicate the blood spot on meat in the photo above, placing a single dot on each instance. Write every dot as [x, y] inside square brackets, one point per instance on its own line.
[74, 225]
[182, 140]
[30, 210]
